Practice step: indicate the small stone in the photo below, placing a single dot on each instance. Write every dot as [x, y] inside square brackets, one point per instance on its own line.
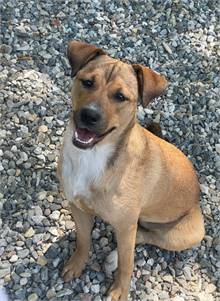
[44, 274]
[53, 231]
[42, 261]
[217, 148]
[95, 288]
[96, 233]
[50, 198]
[42, 195]
[55, 215]
[141, 262]
[140, 113]
[203, 297]
[70, 225]
[25, 274]
[167, 48]
[163, 295]
[204, 188]
[98, 298]
[37, 219]
[51, 293]
[56, 261]
[49, 119]
[211, 288]
[187, 273]
[13, 258]
[64, 292]
[33, 297]
[177, 298]
[21, 294]
[52, 253]
[23, 281]
[111, 262]
[168, 278]
[29, 233]
[103, 242]
[4, 272]
[24, 129]
[43, 128]
[150, 262]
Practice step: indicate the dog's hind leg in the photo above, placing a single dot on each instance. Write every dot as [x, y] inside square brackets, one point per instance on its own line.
[188, 232]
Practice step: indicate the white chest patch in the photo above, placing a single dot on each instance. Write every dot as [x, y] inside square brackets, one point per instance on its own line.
[81, 168]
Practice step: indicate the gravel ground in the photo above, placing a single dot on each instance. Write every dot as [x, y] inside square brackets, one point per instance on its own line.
[177, 38]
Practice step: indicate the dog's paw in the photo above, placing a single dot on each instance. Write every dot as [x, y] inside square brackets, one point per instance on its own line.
[117, 293]
[73, 268]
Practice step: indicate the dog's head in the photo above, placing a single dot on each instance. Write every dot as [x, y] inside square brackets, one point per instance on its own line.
[105, 94]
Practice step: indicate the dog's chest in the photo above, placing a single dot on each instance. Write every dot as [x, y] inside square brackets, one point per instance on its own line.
[82, 168]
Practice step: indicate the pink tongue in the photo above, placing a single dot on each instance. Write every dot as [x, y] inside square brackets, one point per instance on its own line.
[85, 135]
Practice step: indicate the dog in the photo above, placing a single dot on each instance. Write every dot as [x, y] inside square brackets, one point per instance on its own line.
[112, 167]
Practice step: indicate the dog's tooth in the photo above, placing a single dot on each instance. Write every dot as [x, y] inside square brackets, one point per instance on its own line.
[76, 134]
[82, 141]
[90, 140]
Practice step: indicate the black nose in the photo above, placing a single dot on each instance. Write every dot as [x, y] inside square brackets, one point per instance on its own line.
[90, 117]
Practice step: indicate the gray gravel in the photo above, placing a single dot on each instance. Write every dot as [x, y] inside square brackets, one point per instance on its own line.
[177, 38]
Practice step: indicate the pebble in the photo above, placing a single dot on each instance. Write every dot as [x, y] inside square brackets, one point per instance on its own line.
[51, 293]
[150, 262]
[217, 148]
[187, 273]
[168, 278]
[95, 288]
[42, 129]
[55, 215]
[111, 262]
[141, 262]
[211, 288]
[29, 233]
[53, 231]
[167, 48]
[103, 242]
[42, 260]
[69, 225]
[4, 272]
[13, 258]
[23, 281]
[33, 297]
[178, 298]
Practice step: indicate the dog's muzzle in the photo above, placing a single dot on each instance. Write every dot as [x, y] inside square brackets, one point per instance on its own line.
[90, 127]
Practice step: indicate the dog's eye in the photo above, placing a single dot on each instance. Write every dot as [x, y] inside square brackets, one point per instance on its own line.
[120, 97]
[87, 83]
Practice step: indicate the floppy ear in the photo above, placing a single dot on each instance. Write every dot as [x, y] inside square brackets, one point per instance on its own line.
[79, 54]
[150, 84]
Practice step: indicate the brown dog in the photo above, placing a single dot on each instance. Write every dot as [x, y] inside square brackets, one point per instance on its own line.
[112, 167]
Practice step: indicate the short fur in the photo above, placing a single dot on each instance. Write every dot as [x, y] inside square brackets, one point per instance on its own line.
[129, 178]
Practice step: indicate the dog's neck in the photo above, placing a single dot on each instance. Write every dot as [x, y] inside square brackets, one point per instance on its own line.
[121, 143]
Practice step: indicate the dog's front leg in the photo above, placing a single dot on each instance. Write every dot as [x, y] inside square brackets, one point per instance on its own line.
[75, 265]
[126, 236]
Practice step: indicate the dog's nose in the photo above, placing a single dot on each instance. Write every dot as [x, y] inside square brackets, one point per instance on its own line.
[90, 116]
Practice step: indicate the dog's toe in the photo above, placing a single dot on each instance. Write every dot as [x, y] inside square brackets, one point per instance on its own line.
[72, 269]
[117, 293]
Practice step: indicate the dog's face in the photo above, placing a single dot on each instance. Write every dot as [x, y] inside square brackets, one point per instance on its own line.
[105, 94]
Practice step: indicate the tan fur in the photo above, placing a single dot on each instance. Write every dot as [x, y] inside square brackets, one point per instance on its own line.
[146, 179]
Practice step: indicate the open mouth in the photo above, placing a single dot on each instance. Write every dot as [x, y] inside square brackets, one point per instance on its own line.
[84, 138]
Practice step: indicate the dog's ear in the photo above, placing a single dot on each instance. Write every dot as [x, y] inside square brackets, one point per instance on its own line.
[150, 84]
[79, 54]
